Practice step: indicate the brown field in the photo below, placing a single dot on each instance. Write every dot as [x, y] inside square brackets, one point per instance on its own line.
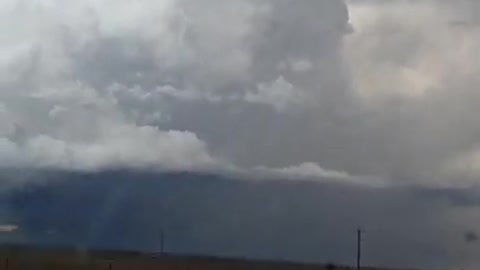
[42, 259]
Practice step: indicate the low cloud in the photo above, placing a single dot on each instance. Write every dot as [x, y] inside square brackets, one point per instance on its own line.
[306, 170]
[8, 228]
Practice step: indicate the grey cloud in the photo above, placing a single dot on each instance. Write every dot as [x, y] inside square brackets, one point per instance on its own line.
[68, 119]
[418, 73]
[284, 39]
[394, 117]
[262, 89]
[470, 237]
[276, 84]
[76, 57]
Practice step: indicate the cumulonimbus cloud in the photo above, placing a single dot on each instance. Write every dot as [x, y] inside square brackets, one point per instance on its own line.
[384, 89]
[92, 85]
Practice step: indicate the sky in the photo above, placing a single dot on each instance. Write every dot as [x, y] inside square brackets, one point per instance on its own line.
[370, 93]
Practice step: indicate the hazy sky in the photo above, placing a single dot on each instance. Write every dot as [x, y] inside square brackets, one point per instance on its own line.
[378, 93]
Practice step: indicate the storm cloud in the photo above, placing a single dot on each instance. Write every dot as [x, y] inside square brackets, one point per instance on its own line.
[380, 89]
[91, 86]
[369, 93]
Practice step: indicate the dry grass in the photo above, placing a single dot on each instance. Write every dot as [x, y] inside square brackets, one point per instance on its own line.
[30, 259]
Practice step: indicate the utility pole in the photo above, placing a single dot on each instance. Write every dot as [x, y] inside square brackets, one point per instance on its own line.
[162, 241]
[359, 247]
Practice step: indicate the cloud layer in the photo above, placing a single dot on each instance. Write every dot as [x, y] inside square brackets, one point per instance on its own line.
[405, 228]
[384, 89]
[374, 93]
[91, 85]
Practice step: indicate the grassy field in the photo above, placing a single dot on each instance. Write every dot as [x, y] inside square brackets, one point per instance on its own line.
[43, 259]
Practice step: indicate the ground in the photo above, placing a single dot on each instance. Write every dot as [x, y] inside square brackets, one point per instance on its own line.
[21, 258]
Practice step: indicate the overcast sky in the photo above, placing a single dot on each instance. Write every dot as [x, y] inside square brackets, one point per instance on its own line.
[376, 93]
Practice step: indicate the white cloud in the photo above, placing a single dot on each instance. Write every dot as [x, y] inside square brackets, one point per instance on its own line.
[310, 171]
[63, 123]
[280, 94]
[116, 146]
[303, 171]
[466, 164]
[408, 50]
[302, 65]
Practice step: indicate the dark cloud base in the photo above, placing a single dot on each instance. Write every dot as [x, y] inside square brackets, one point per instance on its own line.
[205, 214]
